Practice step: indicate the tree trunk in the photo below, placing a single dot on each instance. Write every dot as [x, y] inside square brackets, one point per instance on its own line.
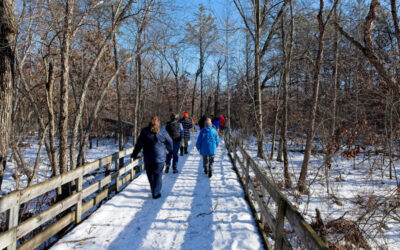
[276, 118]
[63, 125]
[52, 126]
[287, 57]
[201, 78]
[335, 77]
[119, 101]
[138, 64]
[8, 34]
[257, 84]
[302, 183]
[194, 90]
[216, 108]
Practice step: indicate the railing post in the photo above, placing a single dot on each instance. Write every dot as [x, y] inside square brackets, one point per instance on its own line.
[117, 182]
[247, 174]
[280, 222]
[78, 214]
[133, 172]
[13, 214]
[108, 169]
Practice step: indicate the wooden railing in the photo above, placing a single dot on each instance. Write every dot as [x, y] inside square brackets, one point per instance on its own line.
[257, 186]
[69, 210]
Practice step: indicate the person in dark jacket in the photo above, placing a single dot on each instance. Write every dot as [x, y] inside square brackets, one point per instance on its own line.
[207, 144]
[202, 121]
[187, 125]
[175, 131]
[154, 143]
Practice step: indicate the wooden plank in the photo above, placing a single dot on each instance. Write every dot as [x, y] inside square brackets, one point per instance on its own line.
[265, 181]
[37, 220]
[13, 214]
[24, 195]
[267, 214]
[128, 167]
[46, 234]
[305, 233]
[280, 222]
[79, 203]
[247, 173]
[6, 202]
[7, 238]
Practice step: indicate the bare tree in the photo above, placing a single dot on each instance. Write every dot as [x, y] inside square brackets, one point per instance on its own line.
[220, 65]
[202, 33]
[287, 51]
[301, 184]
[8, 34]
[259, 52]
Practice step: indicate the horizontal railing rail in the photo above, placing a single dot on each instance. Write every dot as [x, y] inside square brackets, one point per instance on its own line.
[285, 210]
[69, 210]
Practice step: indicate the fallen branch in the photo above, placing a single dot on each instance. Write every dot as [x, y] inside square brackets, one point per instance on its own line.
[75, 241]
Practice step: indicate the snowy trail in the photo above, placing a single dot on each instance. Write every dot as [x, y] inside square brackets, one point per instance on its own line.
[194, 212]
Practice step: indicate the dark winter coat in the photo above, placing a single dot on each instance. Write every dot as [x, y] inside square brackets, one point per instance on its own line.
[202, 121]
[187, 125]
[208, 141]
[171, 125]
[154, 145]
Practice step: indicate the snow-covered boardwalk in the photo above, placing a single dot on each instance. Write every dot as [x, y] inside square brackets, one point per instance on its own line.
[194, 212]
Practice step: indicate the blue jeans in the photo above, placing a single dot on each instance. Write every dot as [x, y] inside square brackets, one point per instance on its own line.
[176, 146]
[154, 174]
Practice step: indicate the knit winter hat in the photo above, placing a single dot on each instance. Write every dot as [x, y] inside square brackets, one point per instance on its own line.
[186, 114]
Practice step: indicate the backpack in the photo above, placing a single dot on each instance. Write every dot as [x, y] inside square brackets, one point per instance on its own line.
[174, 130]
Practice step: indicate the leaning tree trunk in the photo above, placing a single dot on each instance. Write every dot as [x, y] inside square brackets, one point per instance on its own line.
[302, 184]
[8, 34]
[138, 64]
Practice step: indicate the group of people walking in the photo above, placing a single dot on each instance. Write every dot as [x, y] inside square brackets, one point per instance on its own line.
[161, 146]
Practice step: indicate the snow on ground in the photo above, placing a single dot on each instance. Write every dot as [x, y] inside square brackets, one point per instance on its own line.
[106, 147]
[356, 186]
[194, 212]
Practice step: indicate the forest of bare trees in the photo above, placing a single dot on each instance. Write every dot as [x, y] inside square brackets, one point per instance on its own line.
[322, 73]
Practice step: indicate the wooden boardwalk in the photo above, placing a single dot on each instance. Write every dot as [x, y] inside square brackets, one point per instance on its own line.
[238, 208]
[194, 212]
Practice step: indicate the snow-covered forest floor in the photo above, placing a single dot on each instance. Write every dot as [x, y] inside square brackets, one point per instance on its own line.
[361, 199]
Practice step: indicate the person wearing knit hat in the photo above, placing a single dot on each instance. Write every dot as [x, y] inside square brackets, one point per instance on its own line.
[187, 125]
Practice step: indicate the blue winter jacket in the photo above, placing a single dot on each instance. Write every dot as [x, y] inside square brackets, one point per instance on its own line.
[208, 141]
[154, 145]
[215, 122]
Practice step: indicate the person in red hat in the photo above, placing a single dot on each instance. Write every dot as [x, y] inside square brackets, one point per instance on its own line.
[187, 125]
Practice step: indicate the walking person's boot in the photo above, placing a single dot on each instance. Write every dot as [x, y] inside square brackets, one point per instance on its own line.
[175, 171]
[186, 151]
[210, 171]
[167, 169]
[181, 149]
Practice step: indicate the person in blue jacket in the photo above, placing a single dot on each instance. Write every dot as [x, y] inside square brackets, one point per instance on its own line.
[207, 144]
[154, 143]
[215, 122]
